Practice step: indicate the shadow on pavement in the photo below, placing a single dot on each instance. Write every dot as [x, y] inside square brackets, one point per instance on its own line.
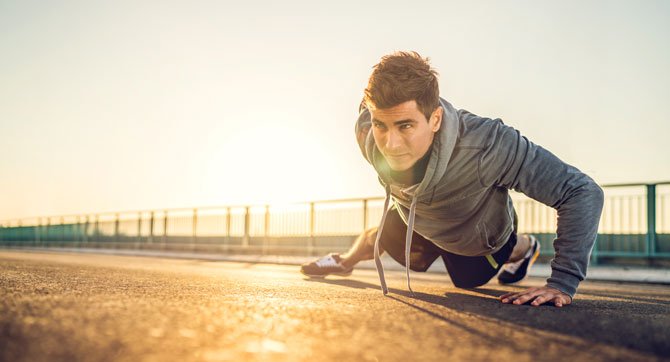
[351, 283]
[640, 324]
[628, 297]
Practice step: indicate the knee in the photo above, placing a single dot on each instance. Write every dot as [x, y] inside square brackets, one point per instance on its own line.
[370, 234]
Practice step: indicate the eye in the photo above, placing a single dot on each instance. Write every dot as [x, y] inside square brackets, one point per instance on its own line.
[406, 126]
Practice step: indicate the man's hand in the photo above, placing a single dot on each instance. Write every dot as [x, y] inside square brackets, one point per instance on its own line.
[539, 296]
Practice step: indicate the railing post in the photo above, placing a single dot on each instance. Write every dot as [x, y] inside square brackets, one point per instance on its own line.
[86, 230]
[138, 240]
[195, 229]
[82, 228]
[365, 214]
[312, 223]
[38, 230]
[19, 232]
[116, 230]
[267, 228]
[245, 239]
[151, 229]
[74, 229]
[62, 230]
[226, 245]
[651, 220]
[48, 228]
[165, 227]
[96, 229]
[77, 233]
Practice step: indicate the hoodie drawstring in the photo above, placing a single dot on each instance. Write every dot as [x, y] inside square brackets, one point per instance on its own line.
[408, 242]
[378, 261]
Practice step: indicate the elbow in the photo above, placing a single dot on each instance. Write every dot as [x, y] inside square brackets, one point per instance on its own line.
[598, 196]
[594, 196]
[588, 194]
[601, 196]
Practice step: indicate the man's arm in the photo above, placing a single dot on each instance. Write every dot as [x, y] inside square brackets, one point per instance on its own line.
[512, 161]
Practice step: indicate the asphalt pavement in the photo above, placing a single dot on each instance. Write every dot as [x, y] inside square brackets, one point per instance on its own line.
[596, 272]
[59, 306]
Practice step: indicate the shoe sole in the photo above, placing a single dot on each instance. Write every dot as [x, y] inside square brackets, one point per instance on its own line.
[322, 276]
[530, 265]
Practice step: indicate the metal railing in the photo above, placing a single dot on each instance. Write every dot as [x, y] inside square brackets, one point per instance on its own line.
[635, 224]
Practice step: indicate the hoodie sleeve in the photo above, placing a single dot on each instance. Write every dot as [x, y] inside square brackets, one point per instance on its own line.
[512, 161]
[363, 125]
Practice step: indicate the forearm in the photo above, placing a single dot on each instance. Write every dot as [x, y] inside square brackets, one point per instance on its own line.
[576, 234]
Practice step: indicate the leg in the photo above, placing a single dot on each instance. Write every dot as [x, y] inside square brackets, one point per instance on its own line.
[422, 254]
[523, 242]
[363, 248]
[474, 271]
[336, 264]
[521, 248]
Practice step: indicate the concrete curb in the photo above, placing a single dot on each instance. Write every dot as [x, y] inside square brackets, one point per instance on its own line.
[595, 272]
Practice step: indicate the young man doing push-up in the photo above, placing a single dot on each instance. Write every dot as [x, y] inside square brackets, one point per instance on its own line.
[447, 173]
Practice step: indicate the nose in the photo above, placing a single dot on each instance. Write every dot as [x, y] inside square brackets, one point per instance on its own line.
[393, 140]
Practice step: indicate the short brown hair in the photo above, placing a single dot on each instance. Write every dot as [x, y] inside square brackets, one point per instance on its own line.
[401, 77]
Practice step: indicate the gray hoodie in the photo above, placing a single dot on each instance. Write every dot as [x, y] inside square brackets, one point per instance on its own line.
[463, 205]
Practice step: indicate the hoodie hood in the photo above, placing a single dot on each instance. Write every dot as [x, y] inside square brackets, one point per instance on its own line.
[444, 142]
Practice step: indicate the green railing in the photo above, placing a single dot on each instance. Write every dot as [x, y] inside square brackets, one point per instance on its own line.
[635, 224]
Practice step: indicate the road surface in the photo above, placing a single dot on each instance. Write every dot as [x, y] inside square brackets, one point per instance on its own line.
[74, 307]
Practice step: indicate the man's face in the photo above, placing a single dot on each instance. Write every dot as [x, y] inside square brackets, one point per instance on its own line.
[402, 133]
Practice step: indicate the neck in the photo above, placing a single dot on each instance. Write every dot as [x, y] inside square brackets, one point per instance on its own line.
[414, 174]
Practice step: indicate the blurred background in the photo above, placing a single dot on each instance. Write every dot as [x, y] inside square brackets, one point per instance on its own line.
[108, 106]
[124, 105]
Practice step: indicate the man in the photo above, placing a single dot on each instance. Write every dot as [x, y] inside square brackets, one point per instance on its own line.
[448, 172]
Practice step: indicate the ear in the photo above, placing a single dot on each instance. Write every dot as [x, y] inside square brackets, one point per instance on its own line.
[436, 119]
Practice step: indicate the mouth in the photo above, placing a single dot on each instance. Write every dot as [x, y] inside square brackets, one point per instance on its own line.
[397, 156]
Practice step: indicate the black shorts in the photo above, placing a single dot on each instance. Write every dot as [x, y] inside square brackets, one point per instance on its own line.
[465, 271]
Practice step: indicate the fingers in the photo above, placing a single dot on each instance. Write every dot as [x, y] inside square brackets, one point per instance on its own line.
[508, 297]
[514, 297]
[537, 296]
[526, 297]
[562, 299]
[505, 297]
[539, 300]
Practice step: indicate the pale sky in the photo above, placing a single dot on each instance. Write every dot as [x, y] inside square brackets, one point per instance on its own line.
[138, 105]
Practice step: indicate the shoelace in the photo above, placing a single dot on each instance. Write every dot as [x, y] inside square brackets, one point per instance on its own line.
[326, 261]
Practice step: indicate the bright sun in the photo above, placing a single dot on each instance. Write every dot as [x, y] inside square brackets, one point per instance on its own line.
[271, 164]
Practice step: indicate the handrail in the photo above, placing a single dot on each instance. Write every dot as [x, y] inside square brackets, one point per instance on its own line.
[239, 206]
[637, 184]
[180, 209]
[648, 242]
